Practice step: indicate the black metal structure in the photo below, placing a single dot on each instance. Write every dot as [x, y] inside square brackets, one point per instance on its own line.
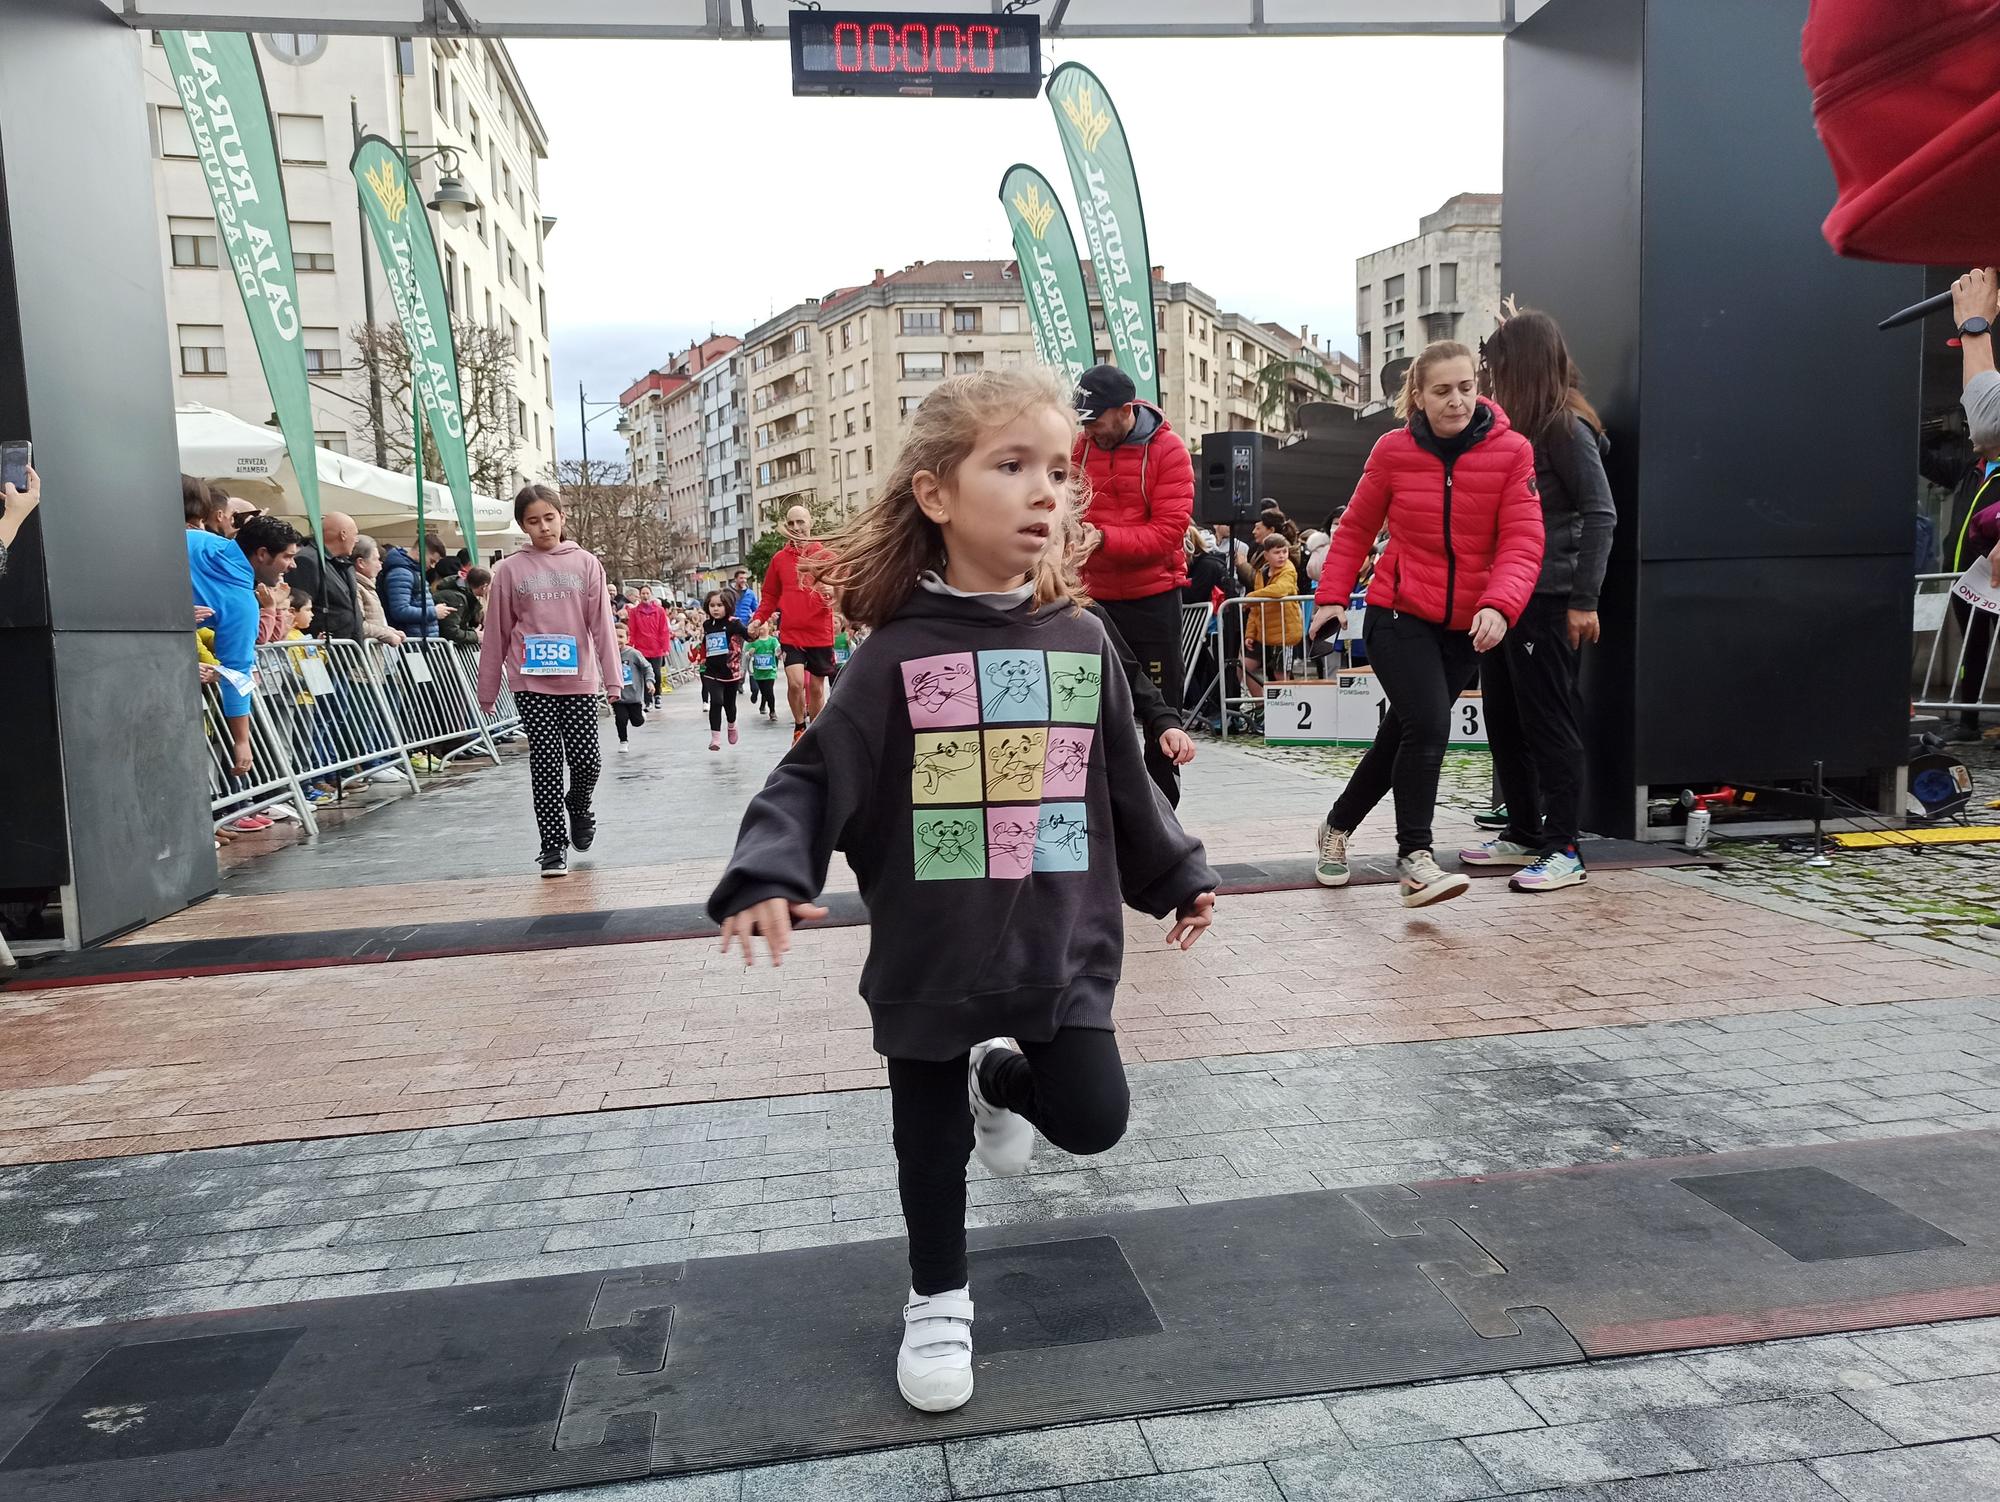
[103, 790]
[1664, 194]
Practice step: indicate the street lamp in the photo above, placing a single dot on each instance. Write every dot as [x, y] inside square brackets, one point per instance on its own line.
[453, 200]
[583, 406]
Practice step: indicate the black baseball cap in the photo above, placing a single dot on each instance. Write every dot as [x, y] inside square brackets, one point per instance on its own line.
[1101, 388]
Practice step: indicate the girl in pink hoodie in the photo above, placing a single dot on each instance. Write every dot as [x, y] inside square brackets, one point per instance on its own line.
[548, 626]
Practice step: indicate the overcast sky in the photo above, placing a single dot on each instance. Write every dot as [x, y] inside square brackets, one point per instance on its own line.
[695, 193]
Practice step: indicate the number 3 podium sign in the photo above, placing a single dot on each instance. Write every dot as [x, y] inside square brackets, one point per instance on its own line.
[1346, 710]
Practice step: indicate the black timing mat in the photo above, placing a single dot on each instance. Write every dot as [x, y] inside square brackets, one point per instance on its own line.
[632, 925]
[500, 1388]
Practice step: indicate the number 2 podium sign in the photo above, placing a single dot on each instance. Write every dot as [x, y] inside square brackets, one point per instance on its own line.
[1347, 710]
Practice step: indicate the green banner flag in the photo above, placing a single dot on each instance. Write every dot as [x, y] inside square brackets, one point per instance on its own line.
[1051, 274]
[221, 90]
[1114, 220]
[416, 280]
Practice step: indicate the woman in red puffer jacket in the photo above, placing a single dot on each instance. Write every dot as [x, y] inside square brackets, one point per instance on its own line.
[1456, 488]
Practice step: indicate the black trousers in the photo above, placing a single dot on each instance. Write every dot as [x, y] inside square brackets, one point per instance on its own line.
[625, 715]
[1534, 726]
[721, 701]
[659, 680]
[1152, 629]
[1423, 668]
[764, 695]
[1071, 1087]
[1976, 626]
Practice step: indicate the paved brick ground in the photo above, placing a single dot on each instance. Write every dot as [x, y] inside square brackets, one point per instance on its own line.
[119, 1238]
[180, 1064]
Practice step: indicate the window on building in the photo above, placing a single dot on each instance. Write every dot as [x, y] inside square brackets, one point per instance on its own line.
[867, 417]
[1361, 304]
[1440, 326]
[1423, 286]
[542, 302]
[1392, 342]
[302, 138]
[548, 378]
[466, 306]
[172, 136]
[520, 417]
[864, 368]
[489, 310]
[965, 362]
[868, 458]
[923, 321]
[201, 349]
[195, 242]
[457, 106]
[847, 376]
[1010, 319]
[437, 87]
[322, 348]
[836, 464]
[1392, 295]
[330, 438]
[451, 279]
[910, 404]
[847, 335]
[847, 418]
[295, 47]
[312, 245]
[1204, 372]
[864, 330]
[406, 57]
[1448, 282]
[927, 366]
[965, 320]
[478, 143]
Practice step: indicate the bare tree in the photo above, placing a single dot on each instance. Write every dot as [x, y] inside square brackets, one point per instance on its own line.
[486, 367]
[624, 523]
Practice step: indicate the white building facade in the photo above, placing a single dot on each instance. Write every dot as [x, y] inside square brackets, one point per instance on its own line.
[428, 93]
[1444, 284]
[725, 463]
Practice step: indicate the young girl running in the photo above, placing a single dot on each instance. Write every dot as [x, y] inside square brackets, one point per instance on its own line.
[723, 641]
[548, 626]
[763, 670]
[1456, 486]
[982, 774]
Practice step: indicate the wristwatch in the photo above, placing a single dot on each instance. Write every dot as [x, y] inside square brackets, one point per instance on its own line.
[1974, 328]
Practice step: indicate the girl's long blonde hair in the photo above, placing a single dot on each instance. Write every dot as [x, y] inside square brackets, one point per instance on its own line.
[875, 561]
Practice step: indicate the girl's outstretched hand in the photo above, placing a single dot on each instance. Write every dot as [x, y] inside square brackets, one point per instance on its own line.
[1177, 746]
[772, 919]
[1192, 921]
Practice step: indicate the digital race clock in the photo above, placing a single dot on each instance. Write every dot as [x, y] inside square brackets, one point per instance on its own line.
[886, 52]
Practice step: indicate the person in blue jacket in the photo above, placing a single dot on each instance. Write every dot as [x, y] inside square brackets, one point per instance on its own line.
[406, 598]
[225, 573]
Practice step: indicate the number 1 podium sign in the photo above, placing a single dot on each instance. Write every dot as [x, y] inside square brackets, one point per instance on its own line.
[1346, 710]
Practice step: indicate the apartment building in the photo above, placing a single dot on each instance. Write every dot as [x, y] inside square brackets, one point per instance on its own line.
[730, 523]
[886, 343]
[1444, 284]
[830, 383]
[461, 94]
[782, 384]
[677, 442]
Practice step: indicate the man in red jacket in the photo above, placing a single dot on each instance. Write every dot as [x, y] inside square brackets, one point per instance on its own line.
[805, 620]
[1141, 485]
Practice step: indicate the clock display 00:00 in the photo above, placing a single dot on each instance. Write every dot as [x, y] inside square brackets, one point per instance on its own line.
[871, 52]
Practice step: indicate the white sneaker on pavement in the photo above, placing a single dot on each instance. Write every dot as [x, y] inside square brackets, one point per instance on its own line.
[1424, 883]
[934, 1367]
[1001, 1139]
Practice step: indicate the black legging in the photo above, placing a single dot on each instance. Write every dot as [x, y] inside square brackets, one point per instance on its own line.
[721, 701]
[560, 727]
[1528, 684]
[1423, 668]
[1152, 629]
[1071, 1087]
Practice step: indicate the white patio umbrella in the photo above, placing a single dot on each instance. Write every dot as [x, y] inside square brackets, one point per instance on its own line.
[250, 461]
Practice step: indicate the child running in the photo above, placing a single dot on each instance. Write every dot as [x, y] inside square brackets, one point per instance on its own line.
[722, 640]
[763, 670]
[982, 774]
[548, 626]
[640, 686]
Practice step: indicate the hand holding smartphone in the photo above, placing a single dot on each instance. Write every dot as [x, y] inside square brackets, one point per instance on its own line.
[17, 456]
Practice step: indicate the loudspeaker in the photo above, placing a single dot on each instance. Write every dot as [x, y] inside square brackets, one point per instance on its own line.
[1232, 483]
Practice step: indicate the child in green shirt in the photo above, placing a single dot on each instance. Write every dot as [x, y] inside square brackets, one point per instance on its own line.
[763, 670]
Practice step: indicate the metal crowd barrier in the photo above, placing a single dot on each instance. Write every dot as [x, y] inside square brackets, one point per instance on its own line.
[1955, 665]
[680, 667]
[271, 780]
[1243, 666]
[505, 721]
[434, 701]
[334, 708]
